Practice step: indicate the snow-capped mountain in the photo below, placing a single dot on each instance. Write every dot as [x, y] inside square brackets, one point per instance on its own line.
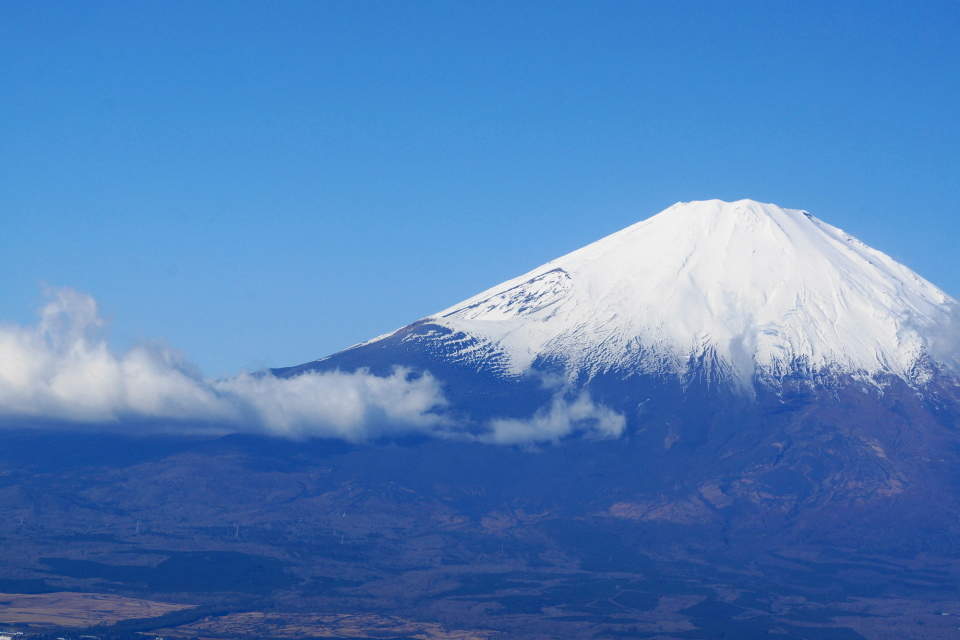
[738, 291]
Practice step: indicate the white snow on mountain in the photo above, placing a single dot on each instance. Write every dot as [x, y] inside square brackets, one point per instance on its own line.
[742, 288]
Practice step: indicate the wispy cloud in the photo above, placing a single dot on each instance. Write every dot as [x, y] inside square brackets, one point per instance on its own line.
[944, 338]
[564, 416]
[63, 370]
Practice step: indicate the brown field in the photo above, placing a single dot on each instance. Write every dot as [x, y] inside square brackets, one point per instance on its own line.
[292, 625]
[69, 609]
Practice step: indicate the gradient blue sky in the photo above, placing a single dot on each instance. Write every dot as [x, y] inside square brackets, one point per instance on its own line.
[262, 183]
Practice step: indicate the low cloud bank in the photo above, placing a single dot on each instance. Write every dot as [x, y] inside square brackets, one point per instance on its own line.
[352, 406]
[62, 370]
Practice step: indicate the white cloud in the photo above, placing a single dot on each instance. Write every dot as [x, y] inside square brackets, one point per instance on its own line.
[944, 338]
[562, 417]
[62, 370]
[353, 406]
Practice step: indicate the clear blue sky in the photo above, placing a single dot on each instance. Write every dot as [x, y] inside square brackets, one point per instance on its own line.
[263, 183]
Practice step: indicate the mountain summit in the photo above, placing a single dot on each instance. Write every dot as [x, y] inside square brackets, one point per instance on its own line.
[738, 292]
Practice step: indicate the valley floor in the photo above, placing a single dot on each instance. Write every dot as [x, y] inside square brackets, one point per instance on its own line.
[235, 538]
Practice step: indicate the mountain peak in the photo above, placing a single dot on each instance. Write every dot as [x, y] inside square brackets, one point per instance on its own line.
[716, 205]
[767, 222]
